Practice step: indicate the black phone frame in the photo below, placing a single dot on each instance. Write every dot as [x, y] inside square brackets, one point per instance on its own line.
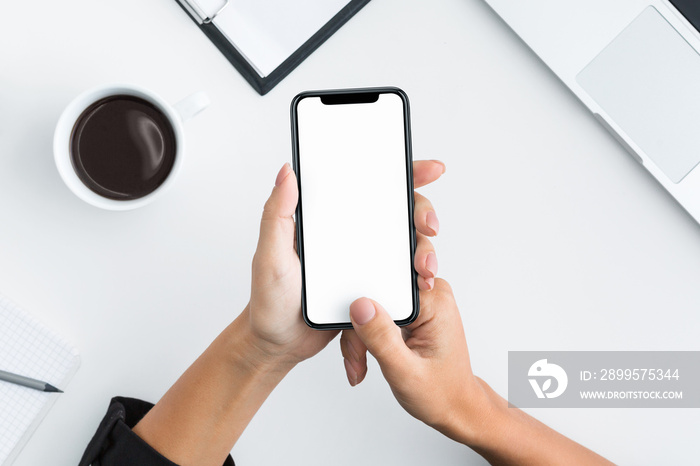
[342, 97]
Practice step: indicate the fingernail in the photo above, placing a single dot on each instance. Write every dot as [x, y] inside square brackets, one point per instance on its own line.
[432, 221]
[431, 263]
[286, 169]
[351, 373]
[431, 283]
[362, 311]
[444, 167]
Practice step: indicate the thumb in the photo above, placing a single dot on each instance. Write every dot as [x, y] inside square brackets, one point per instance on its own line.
[380, 334]
[277, 225]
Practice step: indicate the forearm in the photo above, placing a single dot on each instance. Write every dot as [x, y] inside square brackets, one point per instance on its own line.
[201, 417]
[510, 436]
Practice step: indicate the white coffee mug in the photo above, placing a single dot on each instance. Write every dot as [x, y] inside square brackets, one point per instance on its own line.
[176, 115]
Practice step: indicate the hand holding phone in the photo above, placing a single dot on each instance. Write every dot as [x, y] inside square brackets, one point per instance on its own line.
[274, 309]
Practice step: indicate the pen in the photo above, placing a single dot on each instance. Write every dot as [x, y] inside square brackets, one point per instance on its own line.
[27, 382]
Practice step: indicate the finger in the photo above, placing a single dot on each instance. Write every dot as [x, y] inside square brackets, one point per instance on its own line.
[438, 298]
[425, 284]
[425, 261]
[355, 356]
[277, 225]
[424, 216]
[381, 336]
[426, 171]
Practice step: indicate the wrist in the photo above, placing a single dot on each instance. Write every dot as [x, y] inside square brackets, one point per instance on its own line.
[475, 416]
[500, 428]
[508, 435]
[200, 418]
[239, 345]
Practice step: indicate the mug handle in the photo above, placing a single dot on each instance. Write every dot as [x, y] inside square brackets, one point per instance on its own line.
[191, 105]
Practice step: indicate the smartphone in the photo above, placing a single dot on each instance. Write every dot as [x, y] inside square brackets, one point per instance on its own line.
[355, 230]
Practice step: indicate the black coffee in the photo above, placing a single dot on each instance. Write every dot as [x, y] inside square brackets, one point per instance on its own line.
[123, 147]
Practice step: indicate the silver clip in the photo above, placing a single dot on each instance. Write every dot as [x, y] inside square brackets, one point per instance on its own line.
[202, 16]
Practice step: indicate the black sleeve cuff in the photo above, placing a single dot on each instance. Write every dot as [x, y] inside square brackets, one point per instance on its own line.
[115, 444]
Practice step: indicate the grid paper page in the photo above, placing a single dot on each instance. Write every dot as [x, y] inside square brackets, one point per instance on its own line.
[30, 349]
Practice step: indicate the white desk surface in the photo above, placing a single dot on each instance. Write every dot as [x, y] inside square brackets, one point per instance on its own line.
[553, 238]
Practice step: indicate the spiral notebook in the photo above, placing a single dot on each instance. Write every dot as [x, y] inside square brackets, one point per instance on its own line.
[30, 349]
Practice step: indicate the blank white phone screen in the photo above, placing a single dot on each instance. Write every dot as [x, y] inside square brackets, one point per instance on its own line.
[355, 211]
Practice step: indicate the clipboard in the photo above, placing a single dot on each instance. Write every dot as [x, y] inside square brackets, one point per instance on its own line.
[266, 39]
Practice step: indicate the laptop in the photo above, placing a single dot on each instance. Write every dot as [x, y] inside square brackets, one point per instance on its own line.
[636, 65]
